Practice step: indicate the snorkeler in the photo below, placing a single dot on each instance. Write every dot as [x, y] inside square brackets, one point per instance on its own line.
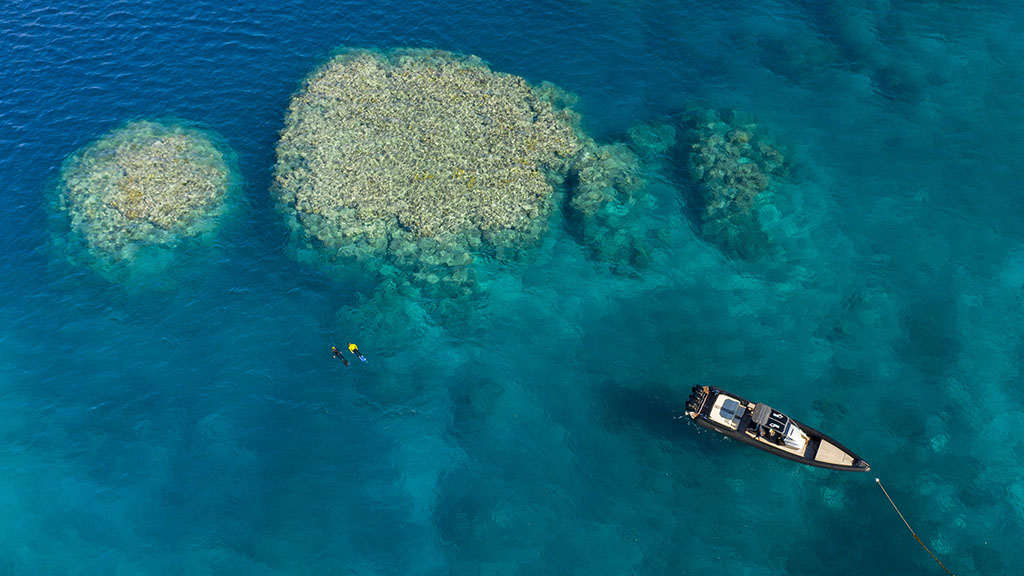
[339, 355]
[355, 350]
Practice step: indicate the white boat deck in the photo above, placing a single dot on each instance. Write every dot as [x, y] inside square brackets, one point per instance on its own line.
[716, 412]
[716, 415]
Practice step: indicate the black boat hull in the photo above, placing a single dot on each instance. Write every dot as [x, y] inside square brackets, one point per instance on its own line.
[813, 454]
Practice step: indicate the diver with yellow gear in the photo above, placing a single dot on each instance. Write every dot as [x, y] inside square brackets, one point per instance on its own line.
[355, 350]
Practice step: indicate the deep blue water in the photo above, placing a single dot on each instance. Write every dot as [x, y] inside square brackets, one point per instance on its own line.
[196, 424]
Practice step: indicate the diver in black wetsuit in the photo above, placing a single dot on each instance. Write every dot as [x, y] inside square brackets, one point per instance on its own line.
[338, 354]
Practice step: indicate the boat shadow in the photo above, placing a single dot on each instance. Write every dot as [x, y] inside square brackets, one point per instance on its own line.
[652, 408]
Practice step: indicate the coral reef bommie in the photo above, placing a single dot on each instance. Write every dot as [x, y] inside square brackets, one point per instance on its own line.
[606, 207]
[145, 184]
[418, 156]
[732, 167]
[606, 173]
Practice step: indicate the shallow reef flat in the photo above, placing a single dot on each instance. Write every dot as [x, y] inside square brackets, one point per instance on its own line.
[145, 186]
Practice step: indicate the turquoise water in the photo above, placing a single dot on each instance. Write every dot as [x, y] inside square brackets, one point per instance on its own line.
[194, 422]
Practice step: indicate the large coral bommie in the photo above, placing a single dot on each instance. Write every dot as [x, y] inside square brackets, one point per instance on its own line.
[417, 158]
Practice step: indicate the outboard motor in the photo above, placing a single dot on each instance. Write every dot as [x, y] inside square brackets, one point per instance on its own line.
[696, 399]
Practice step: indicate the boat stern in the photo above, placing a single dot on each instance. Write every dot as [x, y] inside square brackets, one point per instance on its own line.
[695, 403]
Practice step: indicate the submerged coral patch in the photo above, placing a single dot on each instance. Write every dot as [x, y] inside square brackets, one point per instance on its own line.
[145, 184]
[606, 205]
[417, 157]
[733, 167]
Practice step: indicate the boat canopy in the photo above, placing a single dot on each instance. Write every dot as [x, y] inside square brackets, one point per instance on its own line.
[771, 419]
[764, 416]
[761, 413]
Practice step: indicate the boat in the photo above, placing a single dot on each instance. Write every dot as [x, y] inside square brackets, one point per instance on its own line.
[764, 427]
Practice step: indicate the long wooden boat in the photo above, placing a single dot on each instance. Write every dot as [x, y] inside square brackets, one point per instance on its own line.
[770, 430]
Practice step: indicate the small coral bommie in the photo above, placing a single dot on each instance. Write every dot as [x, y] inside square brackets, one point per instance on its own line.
[606, 203]
[733, 167]
[143, 185]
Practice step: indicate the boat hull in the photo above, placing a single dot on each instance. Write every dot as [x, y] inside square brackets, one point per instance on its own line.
[820, 450]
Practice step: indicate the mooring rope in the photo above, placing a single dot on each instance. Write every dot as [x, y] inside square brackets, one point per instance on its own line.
[879, 482]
